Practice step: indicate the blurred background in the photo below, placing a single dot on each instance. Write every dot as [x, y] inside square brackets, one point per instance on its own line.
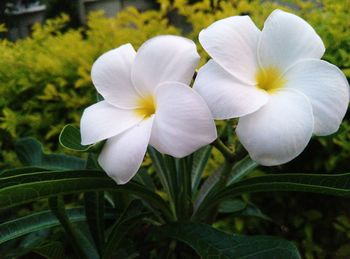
[47, 48]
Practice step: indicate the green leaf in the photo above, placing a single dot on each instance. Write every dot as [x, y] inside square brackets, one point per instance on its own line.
[241, 169]
[166, 174]
[212, 243]
[30, 153]
[200, 161]
[35, 222]
[22, 170]
[145, 179]
[335, 184]
[26, 188]
[252, 211]
[129, 218]
[50, 250]
[70, 138]
[231, 206]
[79, 242]
[211, 185]
[238, 207]
[94, 210]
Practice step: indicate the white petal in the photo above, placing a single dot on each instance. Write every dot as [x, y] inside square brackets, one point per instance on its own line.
[225, 95]
[111, 75]
[164, 58]
[232, 43]
[122, 155]
[183, 122]
[327, 89]
[280, 130]
[286, 39]
[102, 120]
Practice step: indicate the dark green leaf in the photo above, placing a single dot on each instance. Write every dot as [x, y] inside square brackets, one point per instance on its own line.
[212, 243]
[22, 170]
[145, 178]
[210, 186]
[231, 206]
[50, 250]
[78, 241]
[252, 211]
[241, 169]
[30, 153]
[70, 138]
[94, 210]
[335, 184]
[26, 188]
[238, 207]
[200, 161]
[35, 222]
[129, 218]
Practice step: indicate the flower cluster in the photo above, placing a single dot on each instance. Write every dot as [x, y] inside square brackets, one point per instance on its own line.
[273, 80]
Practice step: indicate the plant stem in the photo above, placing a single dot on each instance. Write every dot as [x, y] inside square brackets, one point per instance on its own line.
[225, 151]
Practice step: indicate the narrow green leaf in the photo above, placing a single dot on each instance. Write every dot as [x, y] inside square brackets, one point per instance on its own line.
[161, 169]
[30, 153]
[94, 210]
[70, 138]
[252, 211]
[50, 250]
[46, 176]
[145, 179]
[200, 161]
[129, 218]
[212, 243]
[22, 170]
[26, 188]
[35, 222]
[165, 172]
[237, 207]
[335, 184]
[211, 186]
[78, 241]
[232, 206]
[241, 169]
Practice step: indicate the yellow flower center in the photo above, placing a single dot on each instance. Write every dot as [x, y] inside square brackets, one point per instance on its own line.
[269, 79]
[146, 106]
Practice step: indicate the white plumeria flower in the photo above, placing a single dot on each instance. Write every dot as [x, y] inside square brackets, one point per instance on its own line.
[274, 81]
[147, 101]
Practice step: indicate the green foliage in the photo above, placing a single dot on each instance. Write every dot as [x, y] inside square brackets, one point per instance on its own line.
[45, 84]
[211, 243]
[35, 222]
[45, 79]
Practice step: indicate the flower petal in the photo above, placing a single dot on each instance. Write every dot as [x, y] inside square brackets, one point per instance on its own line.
[225, 95]
[280, 130]
[102, 120]
[232, 43]
[183, 122]
[111, 75]
[122, 155]
[287, 38]
[327, 89]
[164, 58]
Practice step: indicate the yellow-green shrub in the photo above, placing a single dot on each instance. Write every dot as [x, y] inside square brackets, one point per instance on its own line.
[45, 79]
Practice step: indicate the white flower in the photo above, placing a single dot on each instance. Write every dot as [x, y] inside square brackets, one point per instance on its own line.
[147, 101]
[274, 81]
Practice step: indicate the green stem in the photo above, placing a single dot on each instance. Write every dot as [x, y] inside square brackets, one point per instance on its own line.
[225, 151]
